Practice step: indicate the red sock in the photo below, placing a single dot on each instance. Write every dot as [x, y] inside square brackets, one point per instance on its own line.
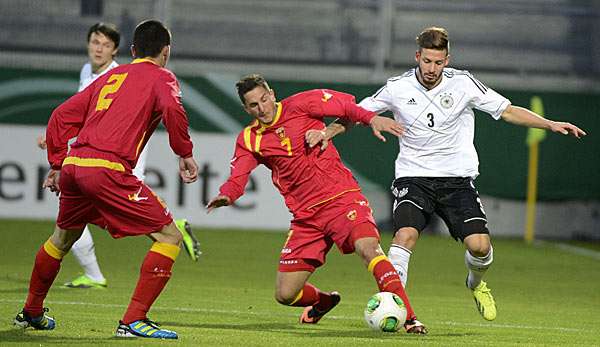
[388, 281]
[312, 296]
[154, 275]
[45, 269]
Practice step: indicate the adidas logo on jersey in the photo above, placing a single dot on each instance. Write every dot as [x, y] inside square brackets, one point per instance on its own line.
[411, 101]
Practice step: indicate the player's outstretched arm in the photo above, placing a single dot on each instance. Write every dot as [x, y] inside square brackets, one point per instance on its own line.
[218, 201]
[522, 116]
[381, 124]
[566, 128]
[188, 169]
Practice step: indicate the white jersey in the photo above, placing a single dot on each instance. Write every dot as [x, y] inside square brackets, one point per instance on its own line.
[439, 123]
[86, 77]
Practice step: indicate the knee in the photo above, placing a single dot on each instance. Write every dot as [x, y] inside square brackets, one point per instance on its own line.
[64, 247]
[169, 234]
[177, 237]
[480, 251]
[368, 249]
[63, 240]
[285, 296]
[174, 239]
[478, 245]
[406, 237]
[174, 234]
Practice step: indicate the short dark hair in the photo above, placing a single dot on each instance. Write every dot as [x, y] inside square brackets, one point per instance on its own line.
[249, 82]
[434, 38]
[149, 38]
[107, 29]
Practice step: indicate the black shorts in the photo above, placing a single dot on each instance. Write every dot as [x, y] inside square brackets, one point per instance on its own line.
[454, 199]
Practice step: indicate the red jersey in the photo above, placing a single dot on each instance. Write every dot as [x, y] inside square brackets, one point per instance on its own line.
[119, 112]
[306, 177]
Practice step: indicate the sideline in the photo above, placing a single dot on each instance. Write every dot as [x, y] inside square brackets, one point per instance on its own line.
[586, 252]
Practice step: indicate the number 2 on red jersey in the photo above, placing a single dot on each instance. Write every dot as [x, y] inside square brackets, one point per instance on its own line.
[104, 100]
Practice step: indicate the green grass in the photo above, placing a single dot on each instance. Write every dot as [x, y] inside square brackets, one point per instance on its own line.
[545, 296]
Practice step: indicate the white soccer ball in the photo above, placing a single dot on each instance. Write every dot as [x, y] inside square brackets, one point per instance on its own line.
[385, 311]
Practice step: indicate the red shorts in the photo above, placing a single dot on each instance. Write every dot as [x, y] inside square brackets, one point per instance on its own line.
[313, 234]
[97, 188]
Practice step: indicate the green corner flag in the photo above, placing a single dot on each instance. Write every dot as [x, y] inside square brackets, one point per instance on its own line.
[535, 135]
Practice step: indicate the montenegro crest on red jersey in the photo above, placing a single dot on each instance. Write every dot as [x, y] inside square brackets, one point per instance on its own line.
[351, 215]
[280, 132]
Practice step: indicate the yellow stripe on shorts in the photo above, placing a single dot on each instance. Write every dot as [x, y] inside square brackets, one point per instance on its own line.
[93, 162]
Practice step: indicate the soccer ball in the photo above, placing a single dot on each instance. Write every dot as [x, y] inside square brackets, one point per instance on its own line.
[385, 311]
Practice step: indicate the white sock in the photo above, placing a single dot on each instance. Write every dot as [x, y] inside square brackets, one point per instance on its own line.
[400, 257]
[477, 267]
[83, 250]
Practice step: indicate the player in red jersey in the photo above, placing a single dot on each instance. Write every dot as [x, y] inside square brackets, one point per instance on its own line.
[323, 196]
[113, 119]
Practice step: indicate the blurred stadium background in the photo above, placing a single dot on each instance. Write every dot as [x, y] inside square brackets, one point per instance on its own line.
[544, 48]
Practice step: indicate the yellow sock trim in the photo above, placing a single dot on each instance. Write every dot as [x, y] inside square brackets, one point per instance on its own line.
[298, 297]
[376, 260]
[166, 249]
[53, 251]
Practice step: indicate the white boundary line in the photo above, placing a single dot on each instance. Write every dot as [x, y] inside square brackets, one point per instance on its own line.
[252, 313]
[586, 252]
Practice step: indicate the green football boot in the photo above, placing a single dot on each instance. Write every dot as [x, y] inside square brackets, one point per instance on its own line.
[190, 242]
[485, 301]
[84, 282]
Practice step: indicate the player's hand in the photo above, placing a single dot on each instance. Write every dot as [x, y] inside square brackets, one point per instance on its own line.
[379, 124]
[218, 201]
[188, 169]
[41, 142]
[566, 129]
[314, 137]
[51, 181]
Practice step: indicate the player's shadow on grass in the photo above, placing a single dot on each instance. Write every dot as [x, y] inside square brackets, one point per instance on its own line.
[15, 281]
[355, 333]
[14, 290]
[18, 280]
[287, 328]
[465, 334]
[270, 326]
[43, 337]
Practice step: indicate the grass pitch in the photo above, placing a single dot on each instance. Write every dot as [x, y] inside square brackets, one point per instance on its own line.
[545, 295]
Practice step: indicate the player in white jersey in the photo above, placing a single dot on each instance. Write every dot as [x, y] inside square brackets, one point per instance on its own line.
[102, 46]
[437, 161]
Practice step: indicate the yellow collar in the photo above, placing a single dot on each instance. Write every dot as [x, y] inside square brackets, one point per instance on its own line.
[143, 60]
[275, 119]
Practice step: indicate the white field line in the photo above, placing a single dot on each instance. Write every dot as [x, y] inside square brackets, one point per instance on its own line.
[262, 314]
[586, 252]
